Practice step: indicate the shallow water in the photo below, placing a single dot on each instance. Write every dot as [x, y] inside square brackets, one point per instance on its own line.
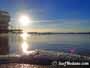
[15, 65]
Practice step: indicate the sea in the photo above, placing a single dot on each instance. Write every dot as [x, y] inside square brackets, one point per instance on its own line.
[68, 43]
[23, 42]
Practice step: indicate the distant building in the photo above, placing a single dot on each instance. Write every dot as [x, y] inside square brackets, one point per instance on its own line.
[4, 21]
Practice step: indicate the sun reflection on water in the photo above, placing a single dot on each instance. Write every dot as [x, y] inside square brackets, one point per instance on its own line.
[24, 44]
[24, 35]
[24, 47]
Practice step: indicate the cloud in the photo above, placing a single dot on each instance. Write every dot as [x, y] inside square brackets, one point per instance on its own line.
[61, 22]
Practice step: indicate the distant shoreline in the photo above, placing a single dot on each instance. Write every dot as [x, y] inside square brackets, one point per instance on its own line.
[50, 33]
[21, 31]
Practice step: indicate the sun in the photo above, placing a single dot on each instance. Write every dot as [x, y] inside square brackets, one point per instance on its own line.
[24, 20]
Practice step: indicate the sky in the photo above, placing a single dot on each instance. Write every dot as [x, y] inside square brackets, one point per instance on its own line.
[50, 15]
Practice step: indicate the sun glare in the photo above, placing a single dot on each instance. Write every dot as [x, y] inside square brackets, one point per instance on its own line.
[24, 35]
[25, 44]
[24, 47]
[24, 20]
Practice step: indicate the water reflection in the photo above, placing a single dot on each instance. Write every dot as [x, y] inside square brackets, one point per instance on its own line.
[25, 44]
[24, 35]
[4, 47]
[24, 47]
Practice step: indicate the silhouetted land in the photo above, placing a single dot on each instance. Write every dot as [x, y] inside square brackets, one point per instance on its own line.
[47, 33]
[42, 33]
[10, 30]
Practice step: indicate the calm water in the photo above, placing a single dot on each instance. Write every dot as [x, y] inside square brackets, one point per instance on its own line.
[75, 43]
[72, 43]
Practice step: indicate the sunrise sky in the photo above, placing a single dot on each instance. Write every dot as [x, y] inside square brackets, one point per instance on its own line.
[50, 15]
